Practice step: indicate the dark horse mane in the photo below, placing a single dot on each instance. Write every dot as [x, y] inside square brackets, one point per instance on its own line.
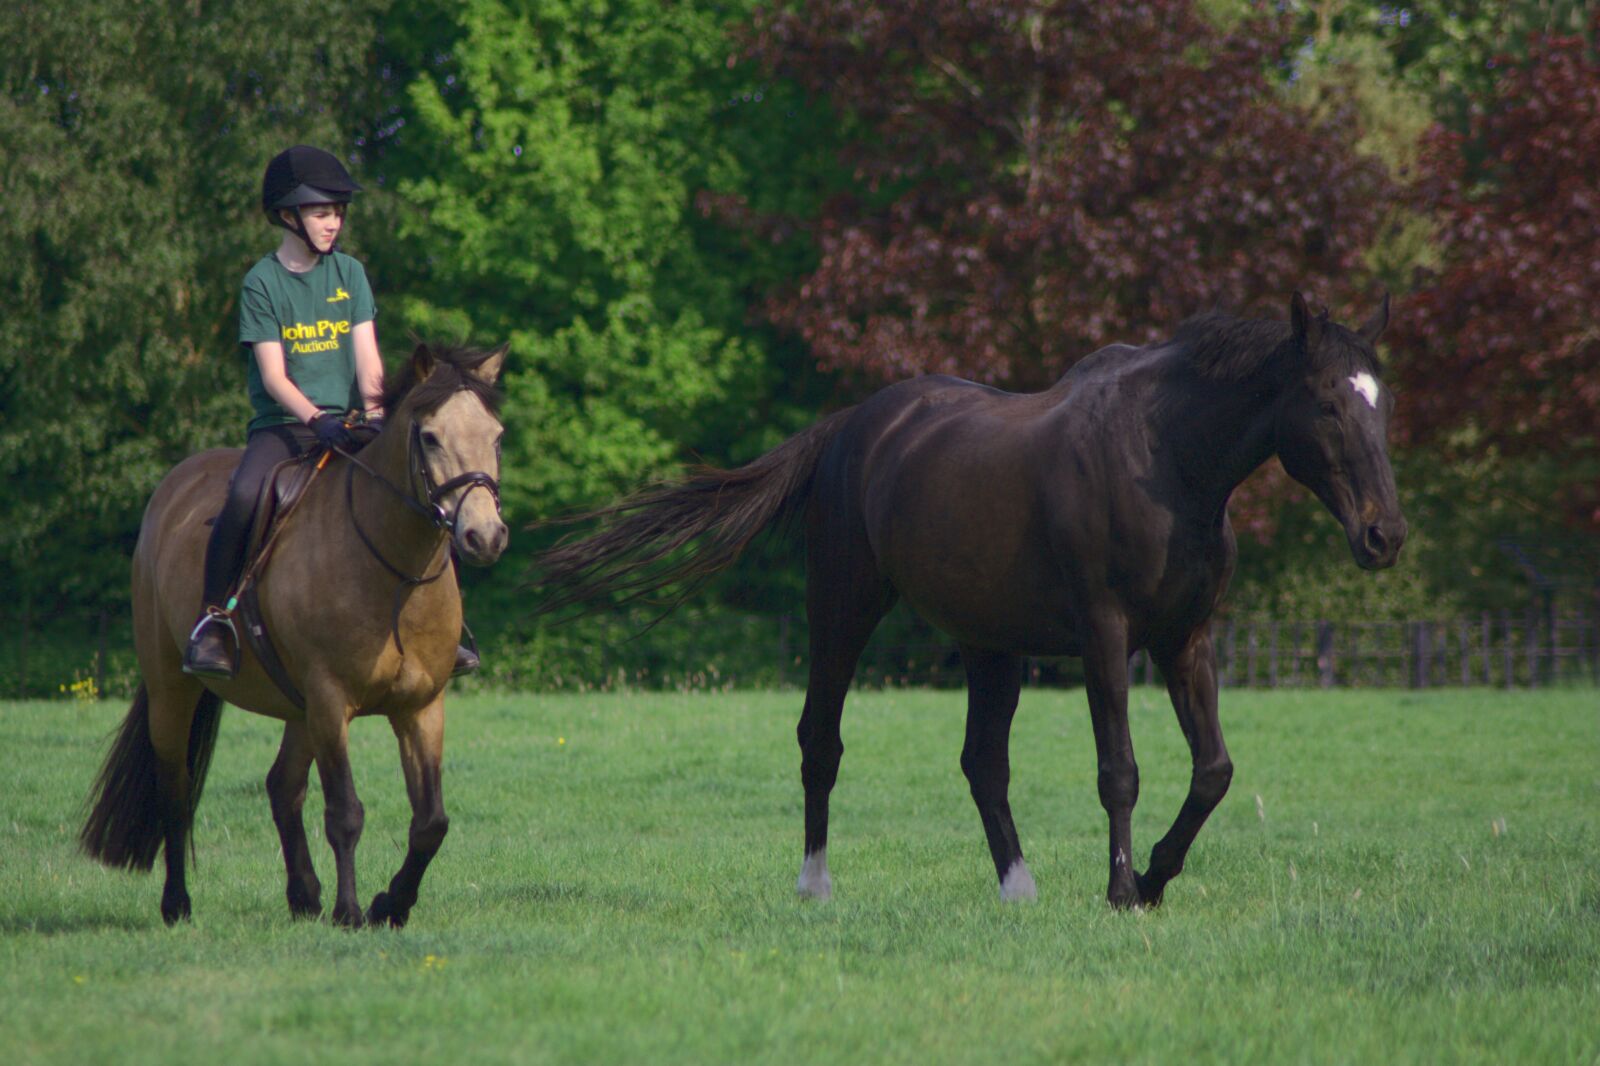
[1224, 347]
[434, 373]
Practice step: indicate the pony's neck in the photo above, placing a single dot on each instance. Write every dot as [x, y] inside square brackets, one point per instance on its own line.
[392, 525]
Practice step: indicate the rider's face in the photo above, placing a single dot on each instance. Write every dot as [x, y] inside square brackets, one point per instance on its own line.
[323, 223]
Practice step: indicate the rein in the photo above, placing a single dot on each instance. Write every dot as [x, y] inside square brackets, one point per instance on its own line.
[432, 512]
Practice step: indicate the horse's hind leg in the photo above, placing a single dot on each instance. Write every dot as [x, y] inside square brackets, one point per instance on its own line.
[1192, 683]
[421, 738]
[286, 791]
[845, 599]
[182, 744]
[994, 683]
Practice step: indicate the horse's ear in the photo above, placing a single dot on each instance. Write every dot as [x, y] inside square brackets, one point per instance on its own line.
[1307, 330]
[422, 362]
[489, 370]
[1373, 328]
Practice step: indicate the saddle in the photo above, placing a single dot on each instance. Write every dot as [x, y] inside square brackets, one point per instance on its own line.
[280, 493]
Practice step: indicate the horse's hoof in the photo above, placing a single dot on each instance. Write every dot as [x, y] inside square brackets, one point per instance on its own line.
[303, 904]
[1124, 896]
[384, 912]
[1150, 892]
[175, 909]
[815, 882]
[352, 919]
[1018, 886]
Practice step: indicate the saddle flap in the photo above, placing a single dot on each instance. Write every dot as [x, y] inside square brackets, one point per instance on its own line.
[279, 491]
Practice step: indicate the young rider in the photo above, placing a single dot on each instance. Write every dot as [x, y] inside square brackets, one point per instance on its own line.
[306, 322]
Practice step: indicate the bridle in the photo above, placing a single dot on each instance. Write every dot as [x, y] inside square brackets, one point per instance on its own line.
[417, 464]
[428, 505]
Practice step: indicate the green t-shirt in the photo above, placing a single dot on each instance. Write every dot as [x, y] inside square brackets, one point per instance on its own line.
[311, 315]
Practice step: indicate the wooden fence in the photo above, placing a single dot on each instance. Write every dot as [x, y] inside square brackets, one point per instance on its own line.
[91, 653]
[1496, 649]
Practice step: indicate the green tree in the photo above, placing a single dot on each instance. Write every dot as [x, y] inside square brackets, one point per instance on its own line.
[133, 135]
[551, 155]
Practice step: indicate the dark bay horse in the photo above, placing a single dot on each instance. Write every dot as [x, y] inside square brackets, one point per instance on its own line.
[1089, 519]
[353, 601]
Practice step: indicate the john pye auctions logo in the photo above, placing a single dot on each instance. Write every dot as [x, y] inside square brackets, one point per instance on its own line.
[304, 338]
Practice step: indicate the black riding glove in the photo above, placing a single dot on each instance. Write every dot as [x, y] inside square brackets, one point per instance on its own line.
[332, 432]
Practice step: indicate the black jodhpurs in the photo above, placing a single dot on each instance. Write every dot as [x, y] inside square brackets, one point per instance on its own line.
[266, 448]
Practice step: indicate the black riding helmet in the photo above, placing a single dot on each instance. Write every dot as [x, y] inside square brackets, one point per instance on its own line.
[300, 176]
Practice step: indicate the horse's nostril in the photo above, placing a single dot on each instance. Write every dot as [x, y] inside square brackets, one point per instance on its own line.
[1376, 542]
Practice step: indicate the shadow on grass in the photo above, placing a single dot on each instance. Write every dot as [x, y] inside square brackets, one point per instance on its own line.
[562, 893]
[58, 924]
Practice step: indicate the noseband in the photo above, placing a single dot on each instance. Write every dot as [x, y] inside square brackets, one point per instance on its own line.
[432, 511]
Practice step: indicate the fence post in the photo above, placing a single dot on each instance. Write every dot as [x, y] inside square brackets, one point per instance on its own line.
[1272, 654]
[1533, 646]
[1420, 645]
[1508, 655]
[1325, 653]
[22, 652]
[1553, 656]
[1252, 644]
[100, 655]
[1486, 639]
[1233, 655]
[783, 650]
[1354, 654]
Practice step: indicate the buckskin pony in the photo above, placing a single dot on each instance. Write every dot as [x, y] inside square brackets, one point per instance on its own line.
[1089, 519]
[353, 602]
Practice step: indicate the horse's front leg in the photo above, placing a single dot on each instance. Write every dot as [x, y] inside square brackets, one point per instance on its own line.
[1191, 675]
[421, 738]
[328, 727]
[1105, 663]
[286, 791]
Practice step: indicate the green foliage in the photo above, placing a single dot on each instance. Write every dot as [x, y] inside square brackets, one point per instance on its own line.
[1392, 879]
[556, 150]
[612, 185]
[134, 136]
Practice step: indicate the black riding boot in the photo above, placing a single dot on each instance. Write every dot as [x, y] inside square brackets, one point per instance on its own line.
[466, 653]
[213, 649]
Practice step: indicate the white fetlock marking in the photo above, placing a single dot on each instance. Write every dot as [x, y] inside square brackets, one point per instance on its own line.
[1017, 886]
[814, 881]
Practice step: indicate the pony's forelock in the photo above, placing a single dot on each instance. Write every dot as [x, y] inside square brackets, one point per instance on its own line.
[450, 372]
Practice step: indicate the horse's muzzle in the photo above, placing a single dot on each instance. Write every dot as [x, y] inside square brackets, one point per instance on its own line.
[483, 543]
[1376, 545]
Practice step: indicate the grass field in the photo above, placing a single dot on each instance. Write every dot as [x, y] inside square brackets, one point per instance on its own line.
[1394, 878]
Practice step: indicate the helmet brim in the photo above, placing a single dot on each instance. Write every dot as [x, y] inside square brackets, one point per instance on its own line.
[305, 195]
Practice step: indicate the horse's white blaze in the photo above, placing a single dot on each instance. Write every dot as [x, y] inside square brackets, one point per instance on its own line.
[814, 881]
[1018, 884]
[1367, 386]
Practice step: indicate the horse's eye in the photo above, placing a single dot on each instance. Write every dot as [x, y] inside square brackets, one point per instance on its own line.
[1328, 409]
[430, 439]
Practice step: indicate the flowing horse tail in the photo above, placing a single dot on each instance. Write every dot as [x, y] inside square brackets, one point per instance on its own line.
[641, 544]
[129, 817]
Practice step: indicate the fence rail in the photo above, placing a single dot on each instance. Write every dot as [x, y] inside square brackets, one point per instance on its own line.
[90, 653]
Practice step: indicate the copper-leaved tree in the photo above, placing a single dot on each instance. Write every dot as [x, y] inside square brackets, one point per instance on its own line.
[1501, 343]
[1034, 181]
